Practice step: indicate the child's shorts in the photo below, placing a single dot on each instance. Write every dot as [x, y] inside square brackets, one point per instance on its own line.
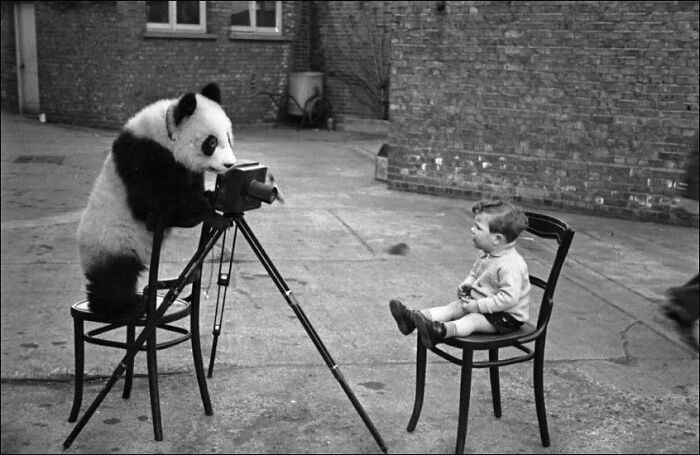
[503, 322]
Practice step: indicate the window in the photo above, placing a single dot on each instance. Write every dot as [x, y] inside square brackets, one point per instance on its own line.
[177, 16]
[257, 17]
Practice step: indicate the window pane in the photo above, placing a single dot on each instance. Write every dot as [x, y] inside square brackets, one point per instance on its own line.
[240, 14]
[265, 14]
[187, 12]
[157, 12]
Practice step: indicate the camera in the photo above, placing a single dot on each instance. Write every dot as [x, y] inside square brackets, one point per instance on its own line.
[243, 188]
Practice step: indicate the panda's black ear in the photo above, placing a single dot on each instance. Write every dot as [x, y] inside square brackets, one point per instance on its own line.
[185, 107]
[212, 92]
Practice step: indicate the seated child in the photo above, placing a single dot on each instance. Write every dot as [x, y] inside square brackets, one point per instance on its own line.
[494, 297]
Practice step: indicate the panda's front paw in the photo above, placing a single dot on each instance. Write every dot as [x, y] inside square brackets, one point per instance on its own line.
[210, 196]
[218, 221]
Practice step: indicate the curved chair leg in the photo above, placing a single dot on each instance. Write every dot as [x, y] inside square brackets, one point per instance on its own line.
[420, 385]
[129, 376]
[464, 396]
[152, 363]
[495, 384]
[539, 391]
[197, 350]
[79, 368]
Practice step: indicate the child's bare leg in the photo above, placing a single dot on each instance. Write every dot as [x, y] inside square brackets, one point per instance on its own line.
[465, 326]
[449, 312]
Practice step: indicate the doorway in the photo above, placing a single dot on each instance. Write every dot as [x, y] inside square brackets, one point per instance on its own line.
[27, 66]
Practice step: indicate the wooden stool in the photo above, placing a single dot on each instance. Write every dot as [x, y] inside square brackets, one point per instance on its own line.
[180, 309]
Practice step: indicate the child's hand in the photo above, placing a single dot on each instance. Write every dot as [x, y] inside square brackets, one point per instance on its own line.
[463, 291]
[467, 304]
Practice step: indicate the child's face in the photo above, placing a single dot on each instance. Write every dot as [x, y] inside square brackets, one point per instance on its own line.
[481, 234]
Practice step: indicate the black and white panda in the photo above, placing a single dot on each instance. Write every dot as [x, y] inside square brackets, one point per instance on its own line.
[157, 163]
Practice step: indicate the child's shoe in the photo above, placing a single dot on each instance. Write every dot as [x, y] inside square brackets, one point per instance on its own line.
[402, 316]
[431, 332]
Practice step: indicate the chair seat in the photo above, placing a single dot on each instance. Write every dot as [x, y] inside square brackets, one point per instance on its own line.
[483, 341]
[178, 310]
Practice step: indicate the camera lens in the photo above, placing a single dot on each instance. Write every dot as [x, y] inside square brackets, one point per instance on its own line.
[262, 191]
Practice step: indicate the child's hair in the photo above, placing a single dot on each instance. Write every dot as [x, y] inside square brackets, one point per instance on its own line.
[504, 217]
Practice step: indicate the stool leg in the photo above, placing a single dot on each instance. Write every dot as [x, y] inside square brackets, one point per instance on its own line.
[128, 379]
[152, 363]
[79, 368]
[197, 351]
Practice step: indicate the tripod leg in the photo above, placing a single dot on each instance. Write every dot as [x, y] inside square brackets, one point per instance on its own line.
[292, 301]
[222, 281]
[214, 342]
[168, 300]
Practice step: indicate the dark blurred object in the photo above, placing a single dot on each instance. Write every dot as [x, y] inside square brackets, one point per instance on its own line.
[400, 249]
[684, 301]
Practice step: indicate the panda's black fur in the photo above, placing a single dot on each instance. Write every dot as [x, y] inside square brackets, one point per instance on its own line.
[157, 164]
[155, 180]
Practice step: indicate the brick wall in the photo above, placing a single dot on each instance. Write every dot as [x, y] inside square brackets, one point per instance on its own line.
[589, 106]
[8, 64]
[302, 43]
[97, 68]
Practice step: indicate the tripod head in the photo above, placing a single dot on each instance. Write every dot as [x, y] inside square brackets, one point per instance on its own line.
[243, 188]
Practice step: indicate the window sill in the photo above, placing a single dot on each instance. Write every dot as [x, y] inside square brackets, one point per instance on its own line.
[179, 35]
[256, 36]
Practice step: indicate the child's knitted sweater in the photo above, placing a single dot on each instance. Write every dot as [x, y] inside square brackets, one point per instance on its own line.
[501, 283]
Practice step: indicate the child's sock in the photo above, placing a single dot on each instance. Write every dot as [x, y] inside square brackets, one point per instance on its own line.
[450, 329]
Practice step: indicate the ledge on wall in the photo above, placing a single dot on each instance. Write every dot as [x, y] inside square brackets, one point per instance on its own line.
[364, 125]
[179, 35]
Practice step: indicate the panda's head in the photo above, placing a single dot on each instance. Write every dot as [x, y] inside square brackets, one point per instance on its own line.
[200, 132]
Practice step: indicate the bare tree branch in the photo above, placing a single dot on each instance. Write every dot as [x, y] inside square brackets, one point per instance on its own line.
[361, 53]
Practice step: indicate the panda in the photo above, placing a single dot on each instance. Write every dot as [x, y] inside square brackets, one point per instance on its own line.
[157, 163]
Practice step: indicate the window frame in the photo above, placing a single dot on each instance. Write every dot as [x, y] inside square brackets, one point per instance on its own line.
[174, 27]
[253, 28]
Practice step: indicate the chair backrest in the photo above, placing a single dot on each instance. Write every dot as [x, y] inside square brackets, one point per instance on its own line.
[545, 226]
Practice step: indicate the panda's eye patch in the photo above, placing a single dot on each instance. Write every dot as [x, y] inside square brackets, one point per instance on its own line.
[209, 145]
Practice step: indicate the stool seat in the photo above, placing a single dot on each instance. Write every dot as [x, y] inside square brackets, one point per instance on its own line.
[179, 309]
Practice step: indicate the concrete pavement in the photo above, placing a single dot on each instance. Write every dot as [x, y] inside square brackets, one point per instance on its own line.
[617, 377]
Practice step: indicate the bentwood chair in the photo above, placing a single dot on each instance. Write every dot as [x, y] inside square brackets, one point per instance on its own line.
[179, 309]
[543, 227]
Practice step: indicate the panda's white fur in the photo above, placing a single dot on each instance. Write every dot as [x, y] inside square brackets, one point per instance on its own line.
[156, 164]
[207, 118]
